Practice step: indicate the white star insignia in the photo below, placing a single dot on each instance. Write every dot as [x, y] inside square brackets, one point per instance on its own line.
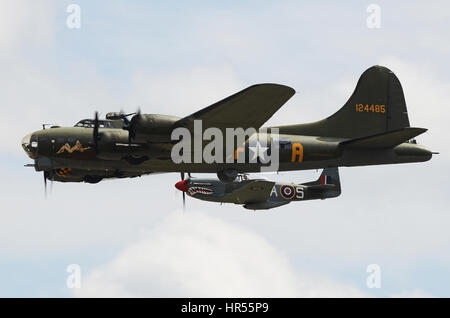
[258, 151]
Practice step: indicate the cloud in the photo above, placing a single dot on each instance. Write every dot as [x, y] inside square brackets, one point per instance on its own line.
[196, 255]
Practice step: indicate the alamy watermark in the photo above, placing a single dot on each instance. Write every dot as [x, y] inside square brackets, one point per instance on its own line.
[74, 278]
[373, 20]
[374, 278]
[73, 20]
[239, 145]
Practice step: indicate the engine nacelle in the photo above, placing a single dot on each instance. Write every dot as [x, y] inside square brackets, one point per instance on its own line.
[153, 127]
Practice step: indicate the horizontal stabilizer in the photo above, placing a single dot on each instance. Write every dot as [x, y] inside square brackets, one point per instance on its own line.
[328, 181]
[388, 139]
[322, 187]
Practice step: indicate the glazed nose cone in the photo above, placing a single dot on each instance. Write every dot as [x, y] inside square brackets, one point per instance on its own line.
[182, 185]
[29, 147]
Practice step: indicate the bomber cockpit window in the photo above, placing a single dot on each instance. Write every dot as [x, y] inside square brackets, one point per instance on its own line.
[87, 123]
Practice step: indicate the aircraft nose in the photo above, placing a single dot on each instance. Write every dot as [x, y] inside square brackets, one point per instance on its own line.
[26, 140]
[29, 145]
[182, 185]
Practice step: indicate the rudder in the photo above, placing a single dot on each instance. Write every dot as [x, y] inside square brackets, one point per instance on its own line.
[328, 181]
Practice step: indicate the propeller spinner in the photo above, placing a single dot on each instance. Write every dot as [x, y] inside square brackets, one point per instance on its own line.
[183, 187]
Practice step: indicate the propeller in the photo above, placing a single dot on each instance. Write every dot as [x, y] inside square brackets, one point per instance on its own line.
[183, 187]
[95, 133]
[184, 193]
[129, 124]
[51, 183]
[126, 121]
[48, 176]
[45, 182]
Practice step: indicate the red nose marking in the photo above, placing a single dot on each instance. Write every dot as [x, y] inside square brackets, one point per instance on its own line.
[182, 185]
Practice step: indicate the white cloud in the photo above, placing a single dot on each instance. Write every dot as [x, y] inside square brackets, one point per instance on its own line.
[196, 255]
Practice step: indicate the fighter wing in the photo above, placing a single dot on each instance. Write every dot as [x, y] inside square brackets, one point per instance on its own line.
[251, 107]
[255, 191]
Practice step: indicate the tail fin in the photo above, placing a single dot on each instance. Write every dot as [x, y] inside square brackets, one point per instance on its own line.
[329, 176]
[328, 180]
[376, 106]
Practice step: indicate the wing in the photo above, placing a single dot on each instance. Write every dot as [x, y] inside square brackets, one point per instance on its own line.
[255, 191]
[251, 107]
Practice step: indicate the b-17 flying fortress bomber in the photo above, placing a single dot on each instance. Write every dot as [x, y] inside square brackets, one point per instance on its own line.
[227, 138]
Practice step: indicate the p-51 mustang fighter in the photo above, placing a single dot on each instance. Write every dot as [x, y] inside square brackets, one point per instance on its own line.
[261, 194]
[372, 128]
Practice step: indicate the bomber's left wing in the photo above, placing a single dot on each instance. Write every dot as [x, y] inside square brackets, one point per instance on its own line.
[251, 107]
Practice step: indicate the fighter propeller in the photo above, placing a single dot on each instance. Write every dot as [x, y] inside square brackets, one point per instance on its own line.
[181, 185]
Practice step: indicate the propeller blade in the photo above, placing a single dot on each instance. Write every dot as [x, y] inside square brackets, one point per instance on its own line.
[184, 193]
[129, 125]
[126, 121]
[95, 133]
[51, 182]
[45, 183]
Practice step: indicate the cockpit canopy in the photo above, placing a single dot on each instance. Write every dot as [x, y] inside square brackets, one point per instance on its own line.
[89, 123]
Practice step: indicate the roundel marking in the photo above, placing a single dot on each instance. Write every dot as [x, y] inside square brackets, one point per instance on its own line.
[287, 191]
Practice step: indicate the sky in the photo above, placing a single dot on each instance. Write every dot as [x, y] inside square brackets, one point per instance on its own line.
[131, 237]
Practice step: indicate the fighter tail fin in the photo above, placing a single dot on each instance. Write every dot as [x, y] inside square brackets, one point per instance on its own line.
[328, 180]
[376, 106]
